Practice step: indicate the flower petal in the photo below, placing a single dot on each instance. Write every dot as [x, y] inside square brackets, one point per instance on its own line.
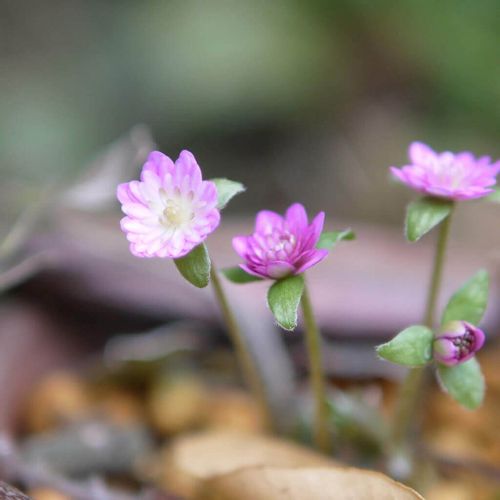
[421, 154]
[240, 245]
[125, 195]
[296, 217]
[399, 174]
[253, 272]
[187, 166]
[267, 220]
[159, 163]
[317, 226]
[279, 269]
[310, 259]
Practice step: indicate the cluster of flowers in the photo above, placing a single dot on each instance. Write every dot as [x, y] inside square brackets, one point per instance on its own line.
[171, 210]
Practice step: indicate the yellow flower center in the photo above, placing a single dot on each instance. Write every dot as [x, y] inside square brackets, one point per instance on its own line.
[176, 213]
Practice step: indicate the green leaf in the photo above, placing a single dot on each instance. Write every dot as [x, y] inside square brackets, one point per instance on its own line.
[226, 190]
[424, 214]
[195, 266]
[329, 239]
[464, 383]
[469, 302]
[357, 420]
[283, 299]
[495, 196]
[238, 275]
[411, 347]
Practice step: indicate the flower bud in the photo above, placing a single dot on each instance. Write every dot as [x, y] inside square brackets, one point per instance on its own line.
[457, 342]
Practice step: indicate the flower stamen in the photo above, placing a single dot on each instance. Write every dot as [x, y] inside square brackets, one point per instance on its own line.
[175, 215]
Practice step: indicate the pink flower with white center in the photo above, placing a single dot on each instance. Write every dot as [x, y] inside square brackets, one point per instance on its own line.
[454, 176]
[170, 209]
[281, 246]
[457, 342]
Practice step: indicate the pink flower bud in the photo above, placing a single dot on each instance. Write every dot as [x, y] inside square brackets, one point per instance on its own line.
[457, 342]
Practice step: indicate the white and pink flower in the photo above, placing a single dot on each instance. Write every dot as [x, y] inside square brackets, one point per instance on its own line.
[170, 210]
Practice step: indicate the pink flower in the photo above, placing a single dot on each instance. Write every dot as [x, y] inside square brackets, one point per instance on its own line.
[455, 176]
[457, 342]
[170, 210]
[281, 246]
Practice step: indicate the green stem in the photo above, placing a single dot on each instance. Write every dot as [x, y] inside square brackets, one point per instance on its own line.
[321, 433]
[437, 272]
[245, 358]
[409, 396]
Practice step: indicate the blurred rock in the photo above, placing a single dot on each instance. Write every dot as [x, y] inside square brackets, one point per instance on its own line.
[60, 398]
[232, 409]
[120, 407]
[83, 449]
[178, 404]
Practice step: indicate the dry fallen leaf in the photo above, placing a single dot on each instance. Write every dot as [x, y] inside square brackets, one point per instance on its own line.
[192, 459]
[226, 465]
[299, 483]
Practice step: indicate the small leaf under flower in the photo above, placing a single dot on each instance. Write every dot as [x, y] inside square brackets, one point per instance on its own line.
[329, 239]
[470, 301]
[195, 266]
[283, 299]
[464, 383]
[410, 347]
[238, 275]
[423, 215]
[226, 190]
[495, 196]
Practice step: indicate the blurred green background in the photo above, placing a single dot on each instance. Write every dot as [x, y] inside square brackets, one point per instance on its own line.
[301, 100]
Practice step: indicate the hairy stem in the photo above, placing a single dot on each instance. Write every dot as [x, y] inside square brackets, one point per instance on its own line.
[410, 391]
[321, 431]
[245, 357]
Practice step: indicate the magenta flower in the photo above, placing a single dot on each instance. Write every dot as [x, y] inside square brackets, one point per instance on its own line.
[170, 210]
[281, 246]
[457, 342]
[454, 176]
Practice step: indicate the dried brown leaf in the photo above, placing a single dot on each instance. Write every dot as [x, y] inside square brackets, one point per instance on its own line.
[192, 459]
[298, 483]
